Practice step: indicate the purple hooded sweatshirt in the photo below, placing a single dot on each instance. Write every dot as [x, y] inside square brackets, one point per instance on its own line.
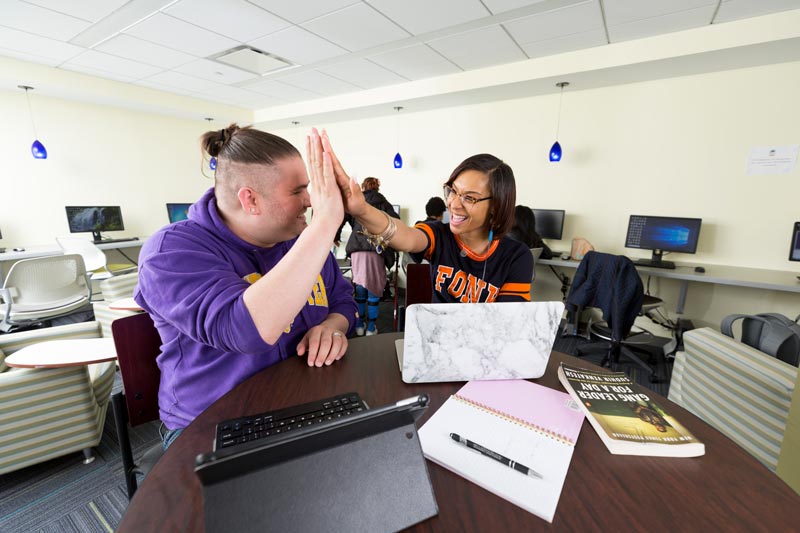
[192, 277]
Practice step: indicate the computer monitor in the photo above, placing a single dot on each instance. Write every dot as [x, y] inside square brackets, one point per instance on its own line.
[94, 219]
[794, 250]
[177, 212]
[549, 223]
[396, 208]
[662, 234]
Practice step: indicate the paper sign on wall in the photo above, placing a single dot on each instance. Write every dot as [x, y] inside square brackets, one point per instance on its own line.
[772, 159]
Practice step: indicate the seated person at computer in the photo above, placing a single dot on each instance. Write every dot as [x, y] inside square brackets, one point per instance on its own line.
[245, 282]
[435, 209]
[524, 231]
[471, 259]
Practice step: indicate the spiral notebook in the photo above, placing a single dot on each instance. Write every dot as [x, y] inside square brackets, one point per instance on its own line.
[528, 423]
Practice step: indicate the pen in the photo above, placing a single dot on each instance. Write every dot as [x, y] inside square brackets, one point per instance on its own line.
[496, 456]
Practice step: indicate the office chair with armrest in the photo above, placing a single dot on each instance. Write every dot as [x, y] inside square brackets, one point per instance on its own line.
[138, 344]
[42, 288]
[611, 283]
[536, 253]
[94, 258]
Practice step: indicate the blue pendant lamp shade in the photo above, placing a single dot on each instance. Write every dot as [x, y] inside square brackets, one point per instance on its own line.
[398, 160]
[555, 150]
[38, 151]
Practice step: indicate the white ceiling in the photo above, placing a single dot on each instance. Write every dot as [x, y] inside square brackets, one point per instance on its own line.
[335, 46]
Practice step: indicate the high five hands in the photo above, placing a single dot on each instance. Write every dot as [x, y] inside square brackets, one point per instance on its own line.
[320, 153]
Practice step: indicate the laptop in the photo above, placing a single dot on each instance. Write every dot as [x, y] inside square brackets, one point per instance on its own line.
[362, 472]
[463, 342]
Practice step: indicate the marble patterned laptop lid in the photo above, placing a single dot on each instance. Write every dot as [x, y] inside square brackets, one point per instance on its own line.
[462, 342]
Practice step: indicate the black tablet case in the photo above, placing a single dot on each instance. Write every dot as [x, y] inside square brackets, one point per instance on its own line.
[363, 475]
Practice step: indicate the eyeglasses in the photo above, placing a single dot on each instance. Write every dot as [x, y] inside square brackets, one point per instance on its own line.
[466, 199]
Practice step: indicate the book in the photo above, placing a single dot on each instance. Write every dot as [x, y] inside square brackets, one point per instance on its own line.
[625, 415]
[534, 426]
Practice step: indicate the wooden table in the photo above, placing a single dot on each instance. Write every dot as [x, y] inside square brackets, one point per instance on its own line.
[61, 353]
[725, 490]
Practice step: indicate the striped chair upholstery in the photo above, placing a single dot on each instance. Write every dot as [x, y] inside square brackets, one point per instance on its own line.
[739, 390]
[113, 289]
[48, 413]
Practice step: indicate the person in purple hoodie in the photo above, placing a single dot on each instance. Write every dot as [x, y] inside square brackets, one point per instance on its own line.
[245, 282]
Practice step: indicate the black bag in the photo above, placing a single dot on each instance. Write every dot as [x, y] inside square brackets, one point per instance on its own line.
[772, 333]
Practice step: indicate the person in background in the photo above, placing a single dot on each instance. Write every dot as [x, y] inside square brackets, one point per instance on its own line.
[524, 231]
[471, 259]
[245, 282]
[368, 266]
[435, 209]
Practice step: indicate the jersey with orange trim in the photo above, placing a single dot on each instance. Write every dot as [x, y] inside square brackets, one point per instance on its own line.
[508, 268]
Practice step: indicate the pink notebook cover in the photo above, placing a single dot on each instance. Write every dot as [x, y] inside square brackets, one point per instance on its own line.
[547, 410]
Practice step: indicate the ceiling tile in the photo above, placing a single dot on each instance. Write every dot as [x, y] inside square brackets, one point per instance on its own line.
[356, 27]
[113, 64]
[160, 87]
[415, 62]
[182, 81]
[501, 6]
[214, 71]
[136, 49]
[738, 9]
[682, 20]
[40, 21]
[422, 16]
[298, 46]
[622, 11]
[567, 43]
[49, 50]
[479, 48]
[283, 91]
[319, 82]
[90, 10]
[179, 35]
[235, 95]
[238, 19]
[303, 10]
[362, 73]
[97, 73]
[557, 23]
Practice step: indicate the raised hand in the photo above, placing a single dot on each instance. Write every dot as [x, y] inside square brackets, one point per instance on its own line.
[353, 198]
[326, 197]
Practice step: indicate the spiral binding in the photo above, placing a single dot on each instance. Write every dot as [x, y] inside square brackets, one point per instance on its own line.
[518, 421]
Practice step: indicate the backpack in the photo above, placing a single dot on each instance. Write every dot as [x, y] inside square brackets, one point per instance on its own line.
[772, 333]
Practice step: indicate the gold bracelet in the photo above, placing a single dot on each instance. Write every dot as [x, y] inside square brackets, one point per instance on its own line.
[381, 240]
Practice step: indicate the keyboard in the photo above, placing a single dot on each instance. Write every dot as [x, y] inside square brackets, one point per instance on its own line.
[264, 426]
[111, 241]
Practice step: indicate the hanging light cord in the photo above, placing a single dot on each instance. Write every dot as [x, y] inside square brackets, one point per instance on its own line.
[558, 121]
[30, 113]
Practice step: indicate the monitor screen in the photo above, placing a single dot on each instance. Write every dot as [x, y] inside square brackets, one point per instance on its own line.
[662, 234]
[794, 251]
[94, 219]
[549, 223]
[396, 208]
[178, 212]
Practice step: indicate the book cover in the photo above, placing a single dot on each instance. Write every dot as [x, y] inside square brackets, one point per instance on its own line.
[527, 423]
[626, 416]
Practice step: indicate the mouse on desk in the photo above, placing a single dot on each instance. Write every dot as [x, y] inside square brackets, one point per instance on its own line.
[699, 269]
[19, 249]
[565, 257]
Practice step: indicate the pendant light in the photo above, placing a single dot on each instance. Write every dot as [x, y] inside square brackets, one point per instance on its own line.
[398, 159]
[37, 148]
[212, 163]
[555, 150]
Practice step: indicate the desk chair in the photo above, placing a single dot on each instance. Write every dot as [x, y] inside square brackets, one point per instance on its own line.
[536, 253]
[42, 288]
[94, 258]
[419, 289]
[138, 344]
[611, 283]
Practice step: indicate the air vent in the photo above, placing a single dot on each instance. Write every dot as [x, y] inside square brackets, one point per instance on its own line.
[252, 60]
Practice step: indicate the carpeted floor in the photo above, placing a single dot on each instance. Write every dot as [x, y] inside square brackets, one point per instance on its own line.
[64, 495]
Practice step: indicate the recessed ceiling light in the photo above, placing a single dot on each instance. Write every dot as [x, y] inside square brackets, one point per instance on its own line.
[251, 60]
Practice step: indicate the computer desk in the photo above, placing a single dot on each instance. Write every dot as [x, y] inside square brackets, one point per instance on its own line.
[726, 489]
[754, 278]
[53, 249]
